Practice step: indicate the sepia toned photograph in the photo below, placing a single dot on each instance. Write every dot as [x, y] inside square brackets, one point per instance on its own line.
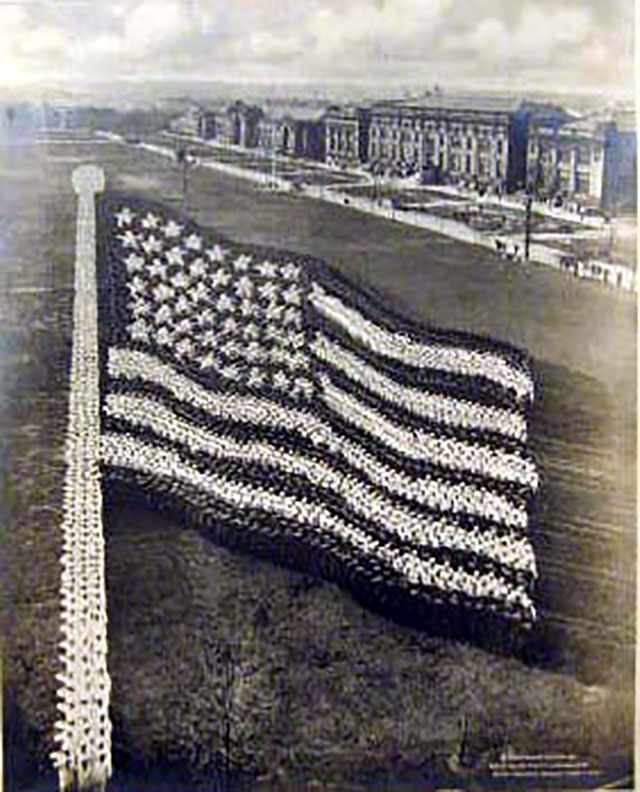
[318, 395]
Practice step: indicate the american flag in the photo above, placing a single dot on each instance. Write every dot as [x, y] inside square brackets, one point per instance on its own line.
[291, 412]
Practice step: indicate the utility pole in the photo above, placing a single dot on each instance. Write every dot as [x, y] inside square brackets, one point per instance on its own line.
[527, 226]
[182, 157]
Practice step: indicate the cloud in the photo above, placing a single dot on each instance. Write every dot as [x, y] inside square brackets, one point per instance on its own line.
[420, 40]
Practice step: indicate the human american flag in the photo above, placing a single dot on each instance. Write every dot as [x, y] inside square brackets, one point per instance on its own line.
[295, 416]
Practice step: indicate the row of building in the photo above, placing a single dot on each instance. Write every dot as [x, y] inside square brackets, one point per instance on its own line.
[493, 143]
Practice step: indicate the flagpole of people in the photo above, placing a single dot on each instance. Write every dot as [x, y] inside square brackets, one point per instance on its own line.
[83, 730]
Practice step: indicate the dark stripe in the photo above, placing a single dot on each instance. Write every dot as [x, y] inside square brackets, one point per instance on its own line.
[480, 390]
[374, 306]
[314, 550]
[300, 487]
[294, 441]
[401, 414]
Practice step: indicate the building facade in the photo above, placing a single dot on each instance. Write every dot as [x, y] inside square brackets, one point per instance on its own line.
[196, 121]
[465, 140]
[293, 132]
[347, 135]
[244, 127]
[590, 161]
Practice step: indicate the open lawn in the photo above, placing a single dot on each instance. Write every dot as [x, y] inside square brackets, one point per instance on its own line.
[316, 687]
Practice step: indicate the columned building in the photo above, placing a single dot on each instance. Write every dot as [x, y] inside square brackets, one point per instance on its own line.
[590, 160]
[293, 132]
[245, 122]
[196, 121]
[473, 140]
[347, 135]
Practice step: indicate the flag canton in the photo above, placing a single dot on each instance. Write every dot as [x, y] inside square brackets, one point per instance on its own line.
[230, 313]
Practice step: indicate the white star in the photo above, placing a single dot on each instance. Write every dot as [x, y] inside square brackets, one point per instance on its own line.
[296, 340]
[256, 377]
[124, 217]
[129, 239]
[303, 386]
[200, 293]
[296, 361]
[198, 268]
[254, 352]
[152, 245]
[244, 287]
[217, 253]
[139, 330]
[231, 350]
[194, 242]
[251, 331]
[225, 303]
[207, 317]
[157, 269]
[274, 312]
[276, 334]
[185, 327]
[241, 264]
[172, 229]
[139, 308]
[208, 361]
[180, 280]
[280, 380]
[150, 221]
[163, 292]
[292, 296]
[292, 316]
[134, 263]
[137, 286]
[209, 338]
[248, 308]
[230, 372]
[175, 256]
[278, 355]
[230, 325]
[267, 269]
[268, 291]
[183, 305]
[184, 348]
[220, 278]
[162, 315]
[290, 271]
[164, 337]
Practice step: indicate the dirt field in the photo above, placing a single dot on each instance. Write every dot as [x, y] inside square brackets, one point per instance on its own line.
[387, 700]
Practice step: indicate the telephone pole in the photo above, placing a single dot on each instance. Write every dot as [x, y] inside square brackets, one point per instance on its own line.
[527, 226]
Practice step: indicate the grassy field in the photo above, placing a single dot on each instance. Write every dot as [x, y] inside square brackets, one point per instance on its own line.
[222, 661]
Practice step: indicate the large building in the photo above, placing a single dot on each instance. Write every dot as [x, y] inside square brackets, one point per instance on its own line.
[244, 124]
[294, 132]
[591, 161]
[347, 135]
[196, 121]
[473, 140]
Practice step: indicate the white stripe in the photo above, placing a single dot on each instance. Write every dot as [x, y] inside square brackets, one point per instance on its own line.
[509, 550]
[128, 452]
[422, 446]
[459, 498]
[457, 360]
[442, 409]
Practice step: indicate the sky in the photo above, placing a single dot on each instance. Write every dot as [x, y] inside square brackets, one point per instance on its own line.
[543, 44]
